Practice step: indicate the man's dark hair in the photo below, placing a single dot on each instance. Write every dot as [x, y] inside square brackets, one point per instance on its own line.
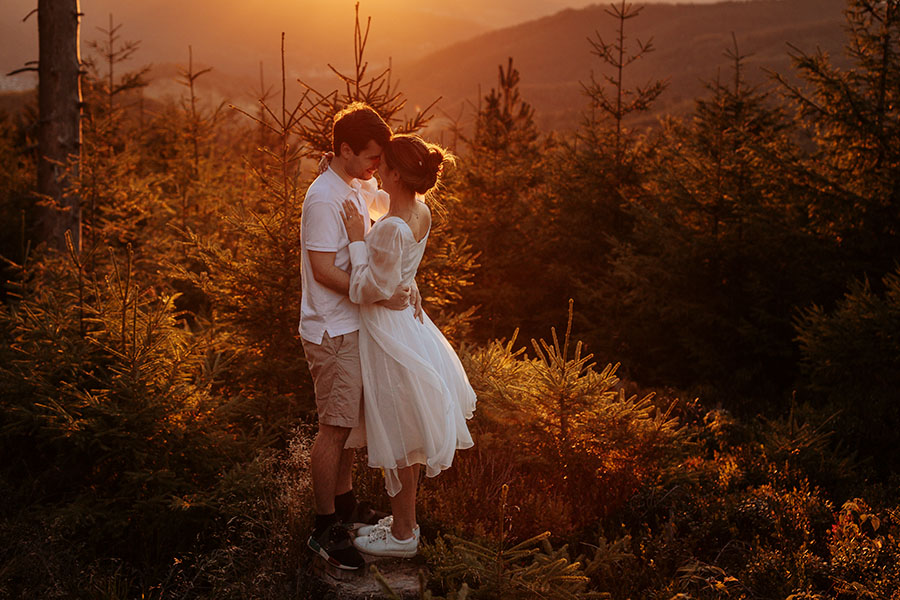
[356, 125]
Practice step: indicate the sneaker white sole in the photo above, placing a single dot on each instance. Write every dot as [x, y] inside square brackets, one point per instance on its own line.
[390, 553]
[317, 549]
[385, 552]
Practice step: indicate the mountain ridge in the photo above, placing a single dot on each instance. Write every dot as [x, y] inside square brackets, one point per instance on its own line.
[553, 56]
[551, 53]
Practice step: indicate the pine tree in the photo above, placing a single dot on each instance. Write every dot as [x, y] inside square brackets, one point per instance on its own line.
[378, 91]
[563, 432]
[614, 99]
[599, 170]
[530, 569]
[104, 89]
[194, 170]
[501, 194]
[120, 206]
[853, 174]
[108, 429]
[248, 269]
[704, 290]
[17, 181]
[854, 118]
[861, 336]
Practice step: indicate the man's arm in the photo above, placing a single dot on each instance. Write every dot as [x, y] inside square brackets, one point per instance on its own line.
[333, 278]
[324, 271]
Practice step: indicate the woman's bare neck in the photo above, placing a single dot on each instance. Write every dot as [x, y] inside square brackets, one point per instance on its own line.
[403, 205]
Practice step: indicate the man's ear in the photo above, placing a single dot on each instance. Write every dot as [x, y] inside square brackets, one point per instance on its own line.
[346, 151]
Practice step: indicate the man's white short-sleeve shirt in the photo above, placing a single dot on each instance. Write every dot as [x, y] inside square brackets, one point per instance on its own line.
[322, 230]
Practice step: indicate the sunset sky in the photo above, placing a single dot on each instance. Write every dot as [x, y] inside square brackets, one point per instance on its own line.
[235, 36]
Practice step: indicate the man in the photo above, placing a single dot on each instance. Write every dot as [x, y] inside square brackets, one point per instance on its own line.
[329, 324]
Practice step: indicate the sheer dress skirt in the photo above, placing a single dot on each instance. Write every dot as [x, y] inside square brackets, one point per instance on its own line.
[417, 395]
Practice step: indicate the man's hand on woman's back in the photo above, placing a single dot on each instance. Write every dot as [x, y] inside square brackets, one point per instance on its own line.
[400, 299]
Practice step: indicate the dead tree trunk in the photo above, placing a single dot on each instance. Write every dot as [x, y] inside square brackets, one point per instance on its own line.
[59, 131]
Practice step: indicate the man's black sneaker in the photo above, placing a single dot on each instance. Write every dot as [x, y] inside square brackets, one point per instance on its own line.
[363, 514]
[335, 545]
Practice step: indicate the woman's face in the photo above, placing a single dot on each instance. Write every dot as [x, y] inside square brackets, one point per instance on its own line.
[387, 175]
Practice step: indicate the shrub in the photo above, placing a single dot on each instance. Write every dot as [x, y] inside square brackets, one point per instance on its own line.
[851, 358]
[111, 440]
[865, 551]
[566, 438]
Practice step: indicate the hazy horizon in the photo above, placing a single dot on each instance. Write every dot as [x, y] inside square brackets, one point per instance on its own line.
[400, 28]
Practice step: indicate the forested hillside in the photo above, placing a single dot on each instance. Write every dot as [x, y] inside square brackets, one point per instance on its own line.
[685, 340]
[554, 56]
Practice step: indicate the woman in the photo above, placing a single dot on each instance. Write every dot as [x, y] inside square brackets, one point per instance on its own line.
[417, 395]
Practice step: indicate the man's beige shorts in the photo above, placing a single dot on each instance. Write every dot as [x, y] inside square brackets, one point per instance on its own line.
[337, 376]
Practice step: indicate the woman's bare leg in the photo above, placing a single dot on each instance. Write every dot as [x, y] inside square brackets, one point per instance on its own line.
[403, 505]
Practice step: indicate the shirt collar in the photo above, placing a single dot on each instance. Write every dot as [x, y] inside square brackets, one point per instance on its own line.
[337, 181]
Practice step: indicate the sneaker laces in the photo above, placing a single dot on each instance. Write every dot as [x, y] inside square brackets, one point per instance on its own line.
[379, 533]
[384, 523]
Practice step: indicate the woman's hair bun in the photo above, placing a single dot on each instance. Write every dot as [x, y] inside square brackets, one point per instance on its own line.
[418, 161]
[435, 158]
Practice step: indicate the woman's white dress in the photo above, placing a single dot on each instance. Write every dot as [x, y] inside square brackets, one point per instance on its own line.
[417, 395]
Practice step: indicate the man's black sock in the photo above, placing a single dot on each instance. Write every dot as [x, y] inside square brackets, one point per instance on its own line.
[344, 504]
[323, 522]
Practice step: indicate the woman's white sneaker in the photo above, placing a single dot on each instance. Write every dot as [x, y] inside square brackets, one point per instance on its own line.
[385, 523]
[381, 542]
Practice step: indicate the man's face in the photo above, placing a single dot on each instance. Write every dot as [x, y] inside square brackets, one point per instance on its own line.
[364, 164]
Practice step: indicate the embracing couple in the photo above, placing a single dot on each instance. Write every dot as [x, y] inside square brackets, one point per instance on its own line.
[385, 377]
